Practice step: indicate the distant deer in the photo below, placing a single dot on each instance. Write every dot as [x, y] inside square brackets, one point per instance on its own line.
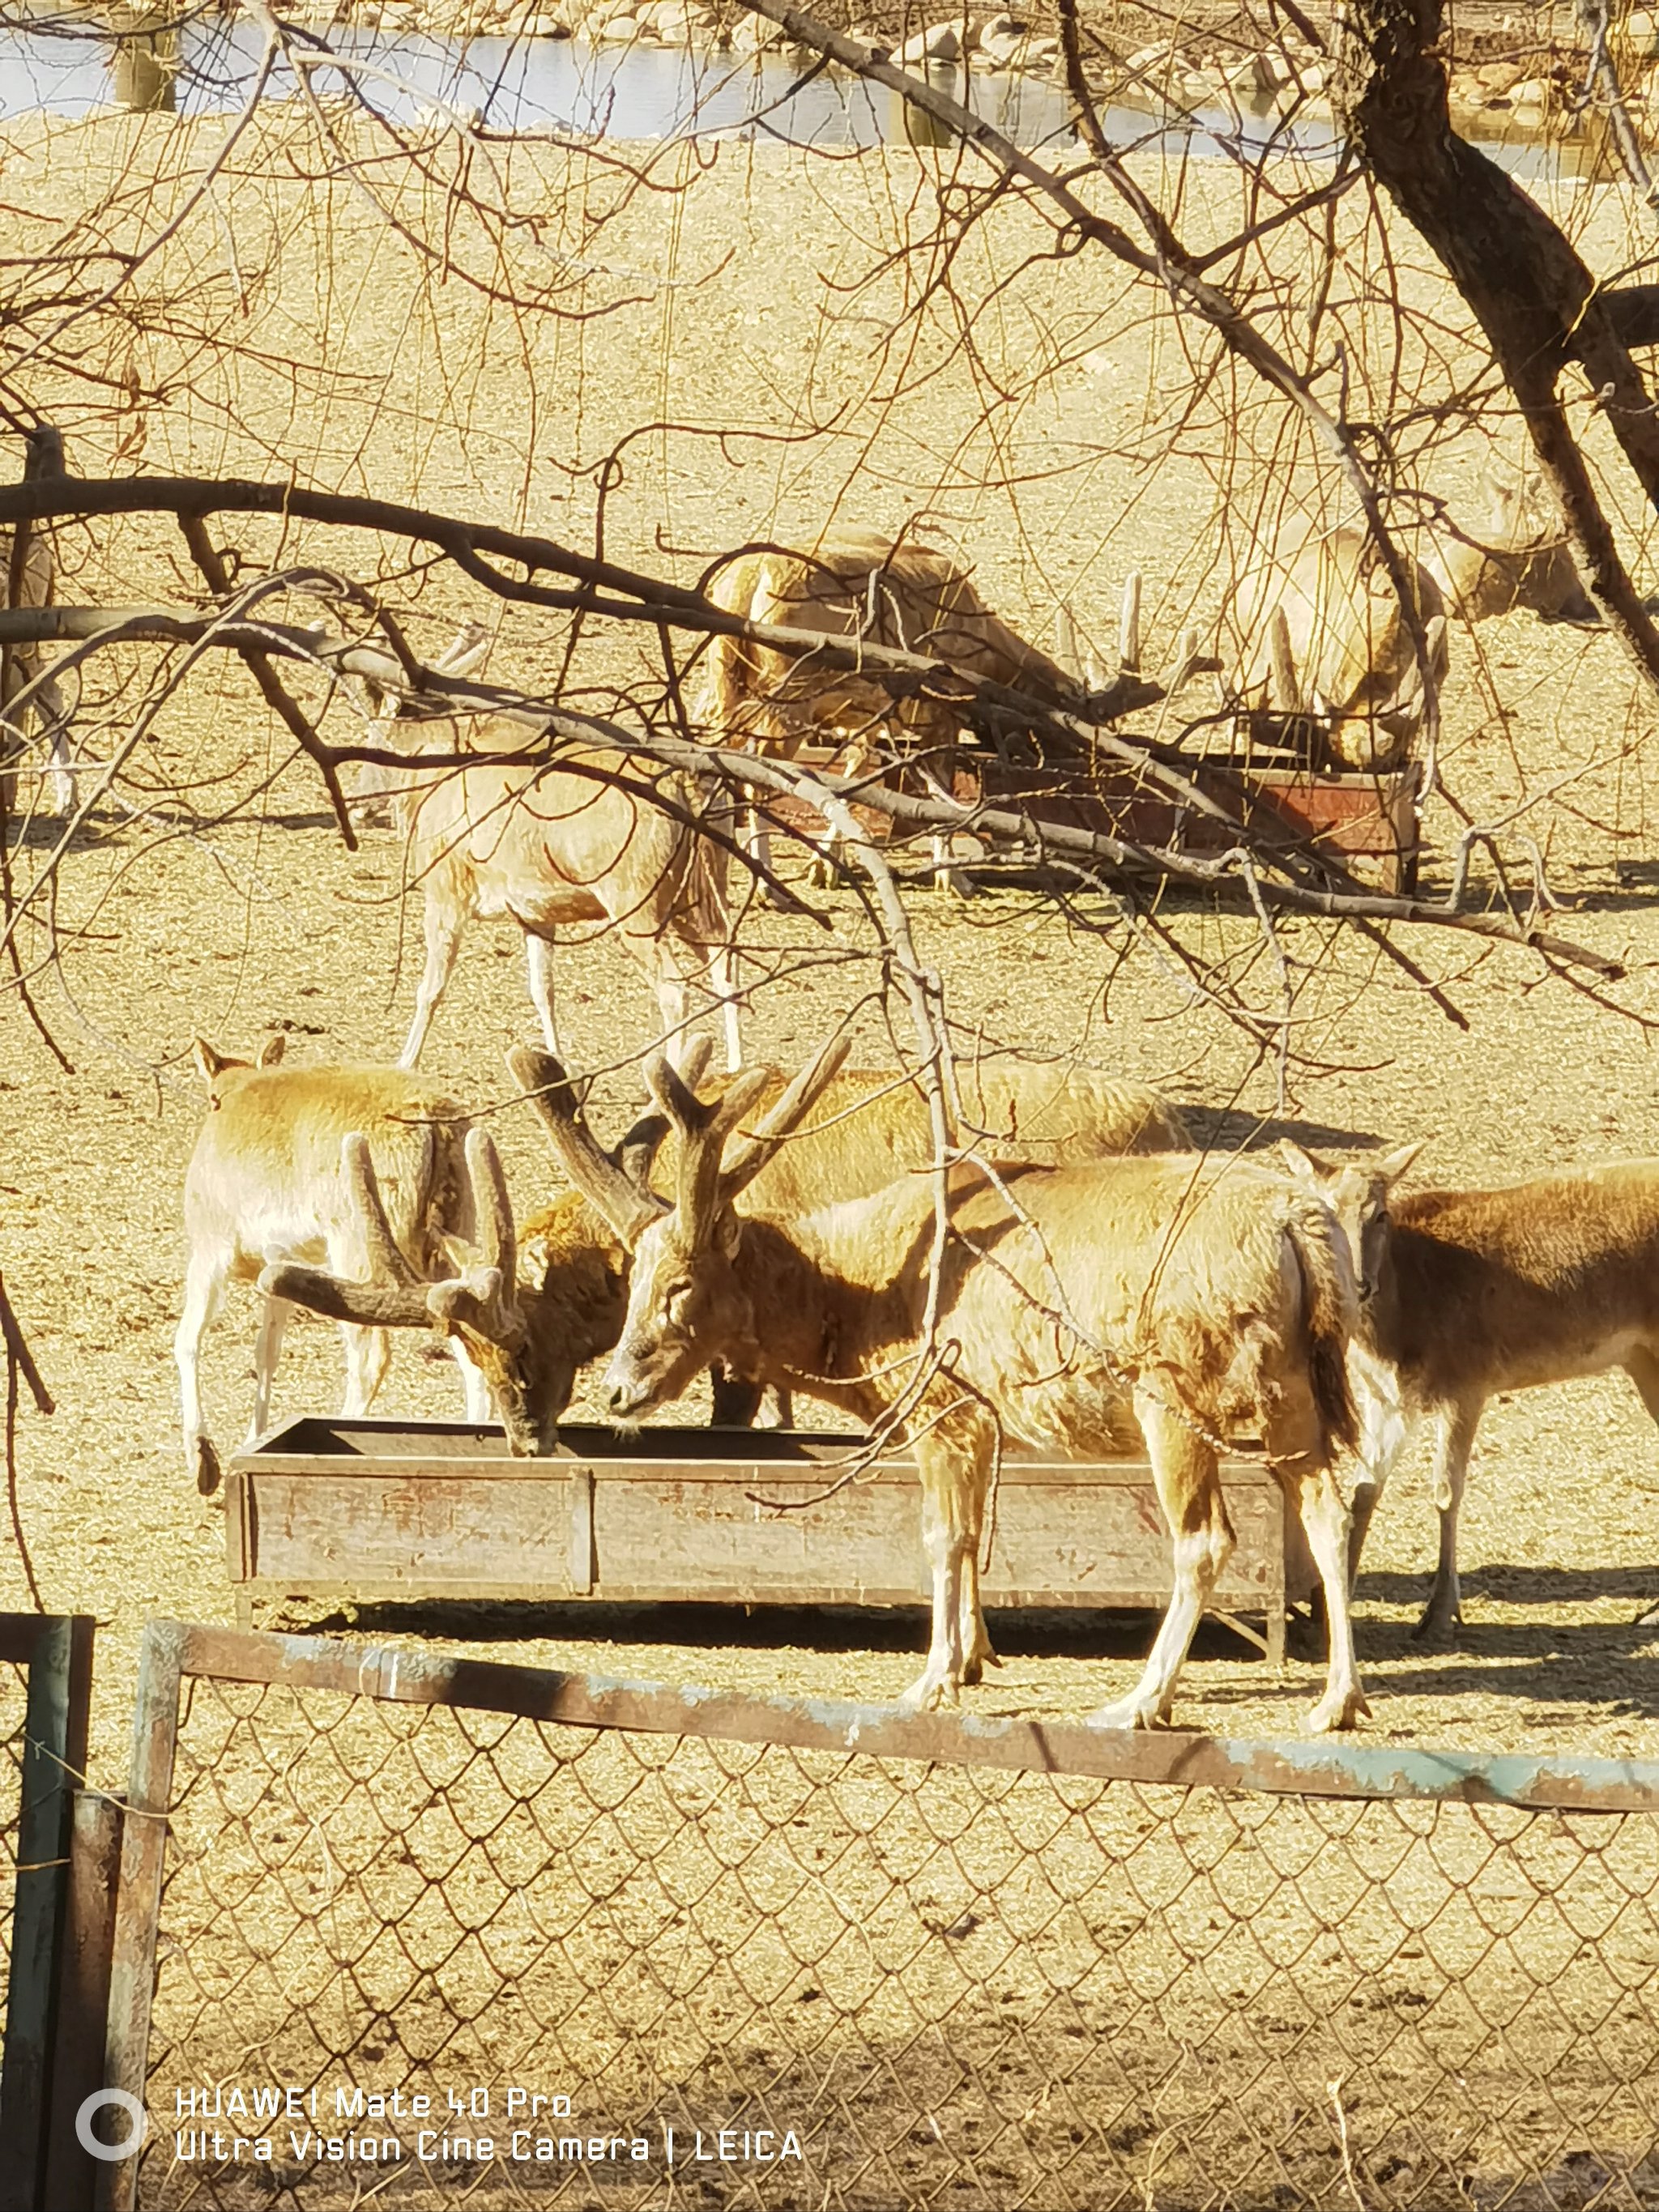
[1318, 629]
[21, 665]
[1467, 1294]
[1074, 1303]
[547, 847]
[854, 583]
[376, 1174]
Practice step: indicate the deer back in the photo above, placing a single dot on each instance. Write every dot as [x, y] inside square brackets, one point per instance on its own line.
[266, 1175]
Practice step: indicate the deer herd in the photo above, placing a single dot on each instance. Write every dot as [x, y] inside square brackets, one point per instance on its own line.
[1069, 1272]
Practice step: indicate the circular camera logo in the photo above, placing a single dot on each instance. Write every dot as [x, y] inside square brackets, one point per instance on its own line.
[124, 2101]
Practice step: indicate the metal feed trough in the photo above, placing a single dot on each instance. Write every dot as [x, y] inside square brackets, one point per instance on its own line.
[373, 1510]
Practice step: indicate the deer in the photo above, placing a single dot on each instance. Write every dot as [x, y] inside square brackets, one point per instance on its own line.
[378, 1174]
[1320, 633]
[1165, 1293]
[550, 845]
[861, 584]
[1466, 1294]
[871, 1128]
[24, 666]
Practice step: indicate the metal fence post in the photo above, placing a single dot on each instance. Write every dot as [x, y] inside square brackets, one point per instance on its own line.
[59, 1661]
[138, 1904]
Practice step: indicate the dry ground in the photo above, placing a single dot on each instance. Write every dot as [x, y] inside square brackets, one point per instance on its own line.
[428, 394]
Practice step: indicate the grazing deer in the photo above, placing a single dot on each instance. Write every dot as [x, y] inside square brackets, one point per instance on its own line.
[1466, 1294]
[375, 1172]
[860, 583]
[547, 847]
[1198, 1301]
[1318, 631]
[21, 665]
[870, 1128]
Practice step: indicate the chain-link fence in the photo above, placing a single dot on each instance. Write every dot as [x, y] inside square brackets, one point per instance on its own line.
[652, 1947]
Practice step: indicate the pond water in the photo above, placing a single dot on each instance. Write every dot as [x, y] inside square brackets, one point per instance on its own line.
[71, 63]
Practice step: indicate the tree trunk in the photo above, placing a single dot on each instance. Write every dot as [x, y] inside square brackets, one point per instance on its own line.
[1534, 298]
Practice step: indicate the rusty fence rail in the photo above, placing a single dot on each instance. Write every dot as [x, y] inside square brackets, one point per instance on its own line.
[45, 1687]
[404, 1929]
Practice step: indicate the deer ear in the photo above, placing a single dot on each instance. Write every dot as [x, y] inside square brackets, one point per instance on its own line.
[272, 1050]
[728, 1232]
[1303, 1165]
[209, 1063]
[1396, 1164]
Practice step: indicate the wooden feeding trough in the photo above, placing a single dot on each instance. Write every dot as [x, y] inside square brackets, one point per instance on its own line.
[373, 1510]
[1366, 824]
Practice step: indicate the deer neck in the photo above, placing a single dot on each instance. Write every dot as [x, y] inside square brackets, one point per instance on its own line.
[828, 1314]
[1478, 582]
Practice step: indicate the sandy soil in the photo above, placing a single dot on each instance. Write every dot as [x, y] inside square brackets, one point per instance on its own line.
[748, 301]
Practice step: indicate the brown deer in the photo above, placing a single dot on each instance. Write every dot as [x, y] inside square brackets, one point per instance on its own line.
[377, 1174]
[870, 1127]
[1193, 1302]
[549, 846]
[1317, 630]
[862, 584]
[1466, 1294]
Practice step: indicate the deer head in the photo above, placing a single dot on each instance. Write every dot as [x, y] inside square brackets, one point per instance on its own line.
[476, 1308]
[218, 1070]
[688, 1302]
[1356, 1194]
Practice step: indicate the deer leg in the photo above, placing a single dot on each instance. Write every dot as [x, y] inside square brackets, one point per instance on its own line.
[724, 970]
[671, 1000]
[1442, 1616]
[274, 1318]
[443, 944]
[1189, 1490]
[204, 1298]
[781, 1412]
[1325, 1519]
[946, 1483]
[978, 1652]
[367, 1357]
[539, 963]
[736, 1400]
[1382, 1439]
[481, 1408]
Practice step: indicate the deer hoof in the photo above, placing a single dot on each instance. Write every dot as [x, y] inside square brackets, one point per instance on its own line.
[1439, 1628]
[930, 1694]
[1338, 1709]
[1129, 1713]
[205, 1461]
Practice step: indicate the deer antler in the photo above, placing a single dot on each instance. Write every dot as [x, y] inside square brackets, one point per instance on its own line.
[615, 1183]
[703, 1128]
[750, 1154]
[386, 1257]
[395, 1297]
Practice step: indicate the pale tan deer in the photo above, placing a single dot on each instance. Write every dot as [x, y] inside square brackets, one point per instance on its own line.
[1314, 627]
[870, 1127]
[855, 583]
[376, 1174]
[25, 665]
[551, 847]
[1466, 1294]
[1196, 1302]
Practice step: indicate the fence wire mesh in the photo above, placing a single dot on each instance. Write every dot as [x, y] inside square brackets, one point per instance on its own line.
[750, 1973]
